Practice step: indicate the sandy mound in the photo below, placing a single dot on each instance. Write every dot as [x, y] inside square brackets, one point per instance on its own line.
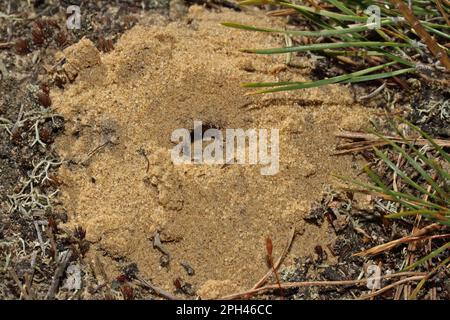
[122, 186]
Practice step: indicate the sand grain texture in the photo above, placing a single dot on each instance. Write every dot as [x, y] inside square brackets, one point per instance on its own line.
[160, 78]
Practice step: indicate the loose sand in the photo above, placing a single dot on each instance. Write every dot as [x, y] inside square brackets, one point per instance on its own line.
[126, 103]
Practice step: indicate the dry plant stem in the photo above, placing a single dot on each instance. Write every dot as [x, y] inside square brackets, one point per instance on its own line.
[269, 248]
[388, 198]
[279, 261]
[19, 284]
[388, 246]
[370, 141]
[287, 285]
[155, 289]
[6, 45]
[315, 5]
[93, 152]
[392, 285]
[281, 13]
[416, 236]
[412, 247]
[99, 271]
[395, 176]
[429, 275]
[28, 283]
[374, 93]
[51, 237]
[442, 11]
[432, 45]
[63, 262]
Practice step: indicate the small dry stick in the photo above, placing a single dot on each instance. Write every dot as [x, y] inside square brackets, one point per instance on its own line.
[269, 249]
[39, 236]
[281, 13]
[155, 289]
[288, 285]
[63, 262]
[392, 285]
[416, 236]
[411, 248]
[442, 11]
[374, 93]
[263, 280]
[142, 152]
[93, 152]
[432, 45]
[19, 284]
[28, 284]
[158, 244]
[5, 45]
[371, 140]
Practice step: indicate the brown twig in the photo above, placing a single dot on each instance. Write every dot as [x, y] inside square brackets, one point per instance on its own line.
[442, 11]
[63, 262]
[315, 5]
[94, 151]
[392, 285]
[24, 292]
[288, 285]
[370, 140]
[143, 153]
[263, 280]
[28, 283]
[412, 246]
[6, 45]
[387, 246]
[432, 45]
[282, 12]
[441, 265]
[269, 249]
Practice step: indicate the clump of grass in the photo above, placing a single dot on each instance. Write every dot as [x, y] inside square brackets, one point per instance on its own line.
[429, 192]
[421, 189]
[401, 43]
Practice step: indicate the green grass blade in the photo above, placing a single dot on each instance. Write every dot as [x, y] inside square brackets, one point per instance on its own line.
[444, 175]
[323, 46]
[441, 151]
[321, 33]
[403, 175]
[402, 198]
[380, 75]
[422, 282]
[428, 257]
[324, 13]
[417, 166]
[310, 84]
[349, 78]
[341, 6]
[438, 32]
[386, 190]
[423, 212]
[359, 53]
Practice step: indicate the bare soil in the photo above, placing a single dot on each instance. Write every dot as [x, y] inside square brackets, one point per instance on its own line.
[122, 209]
[214, 218]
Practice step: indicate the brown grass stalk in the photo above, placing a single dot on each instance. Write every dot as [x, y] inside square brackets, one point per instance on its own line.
[432, 45]
[287, 285]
